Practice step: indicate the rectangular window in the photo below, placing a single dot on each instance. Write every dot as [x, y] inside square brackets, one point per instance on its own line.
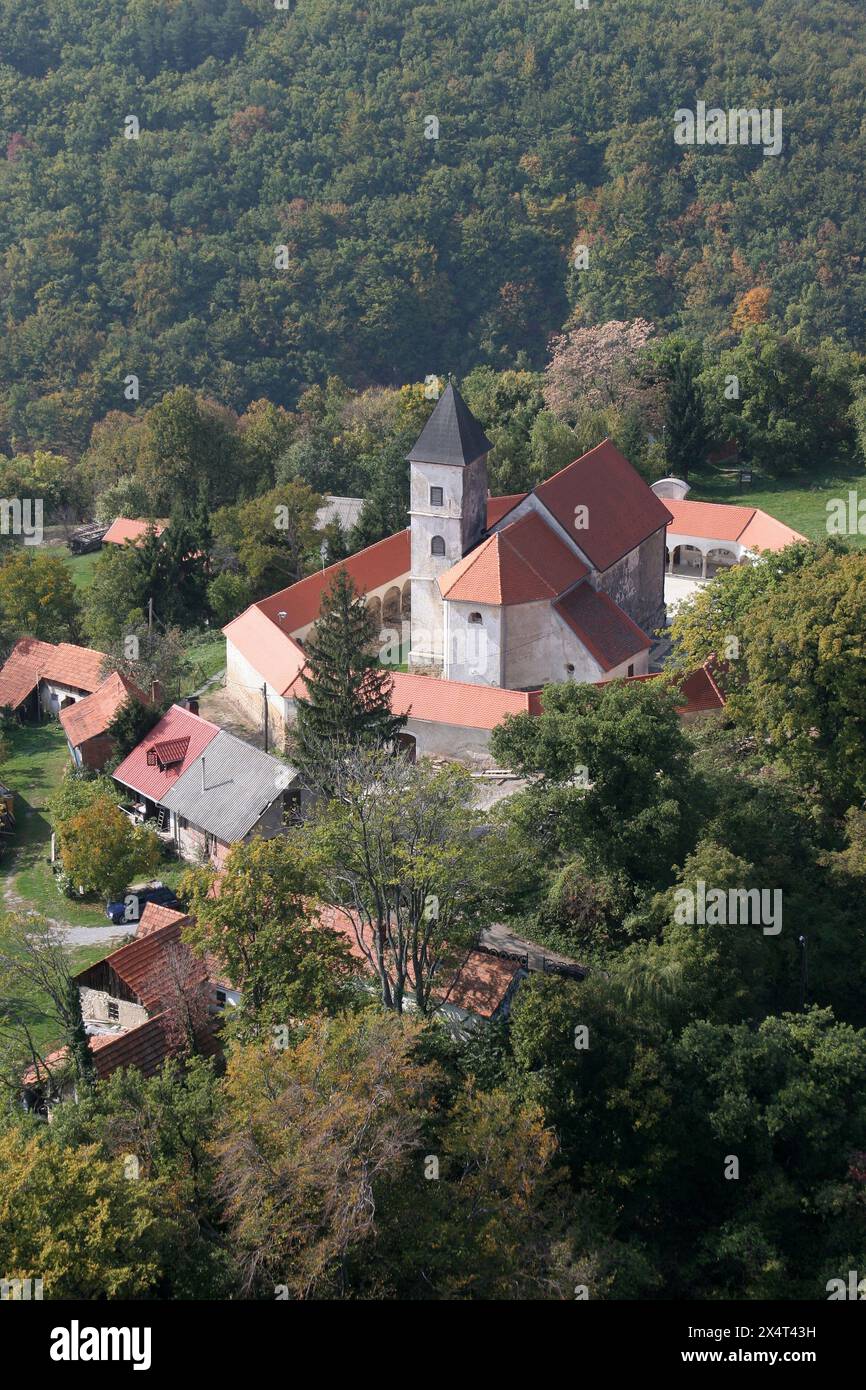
[631, 669]
[221, 998]
[437, 497]
[113, 1011]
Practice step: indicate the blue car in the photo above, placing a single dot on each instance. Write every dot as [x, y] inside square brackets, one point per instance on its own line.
[130, 908]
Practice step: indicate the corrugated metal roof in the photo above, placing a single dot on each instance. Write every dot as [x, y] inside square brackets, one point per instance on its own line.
[227, 787]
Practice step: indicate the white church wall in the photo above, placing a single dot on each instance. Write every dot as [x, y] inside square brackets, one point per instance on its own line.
[473, 651]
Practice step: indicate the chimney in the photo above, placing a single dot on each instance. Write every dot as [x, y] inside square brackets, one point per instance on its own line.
[192, 704]
[156, 693]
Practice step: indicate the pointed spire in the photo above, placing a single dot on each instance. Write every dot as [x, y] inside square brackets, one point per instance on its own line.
[452, 434]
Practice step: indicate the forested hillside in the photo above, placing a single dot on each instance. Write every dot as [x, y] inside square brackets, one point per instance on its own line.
[404, 255]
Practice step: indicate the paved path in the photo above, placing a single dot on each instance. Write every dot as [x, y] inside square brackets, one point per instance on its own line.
[73, 936]
[498, 937]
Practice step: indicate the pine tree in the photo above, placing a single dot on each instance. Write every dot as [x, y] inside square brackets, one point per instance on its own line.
[348, 693]
[686, 436]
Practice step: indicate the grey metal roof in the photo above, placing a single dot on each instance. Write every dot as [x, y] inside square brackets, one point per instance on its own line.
[346, 510]
[238, 784]
[452, 434]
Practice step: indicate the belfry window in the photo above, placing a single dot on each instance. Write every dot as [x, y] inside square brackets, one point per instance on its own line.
[437, 497]
[474, 618]
[437, 546]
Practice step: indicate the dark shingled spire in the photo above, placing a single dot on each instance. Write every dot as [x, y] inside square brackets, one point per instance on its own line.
[452, 434]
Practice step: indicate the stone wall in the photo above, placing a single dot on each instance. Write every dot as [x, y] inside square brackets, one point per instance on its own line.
[94, 1008]
[637, 583]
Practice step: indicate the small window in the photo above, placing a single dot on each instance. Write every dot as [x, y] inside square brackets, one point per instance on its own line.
[437, 497]
[631, 669]
[221, 998]
[113, 1011]
[474, 617]
[437, 546]
[570, 669]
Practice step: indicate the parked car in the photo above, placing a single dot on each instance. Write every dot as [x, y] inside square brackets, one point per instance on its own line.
[130, 908]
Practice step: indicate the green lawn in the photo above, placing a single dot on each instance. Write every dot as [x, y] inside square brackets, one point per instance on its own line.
[80, 566]
[46, 1032]
[796, 502]
[39, 756]
[208, 657]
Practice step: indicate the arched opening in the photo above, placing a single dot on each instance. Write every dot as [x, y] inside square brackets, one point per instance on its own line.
[688, 560]
[374, 606]
[391, 605]
[406, 746]
[474, 618]
[719, 558]
[437, 546]
[406, 601]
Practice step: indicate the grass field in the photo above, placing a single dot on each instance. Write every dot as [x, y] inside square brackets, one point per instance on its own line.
[800, 504]
[208, 657]
[80, 566]
[39, 756]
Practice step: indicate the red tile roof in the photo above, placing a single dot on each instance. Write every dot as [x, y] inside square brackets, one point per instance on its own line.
[279, 659]
[167, 753]
[149, 779]
[479, 984]
[699, 690]
[269, 649]
[135, 963]
[378, 564]
[718, 521]
[523, 562]
[31, 661]
[497, 507]
[454, 702]
[622, 510]
[123, 529]
[604, 629]
[155, 916]
[91, 716]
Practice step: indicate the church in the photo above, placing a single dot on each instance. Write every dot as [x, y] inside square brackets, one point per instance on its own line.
[565, 582]
[482, 600]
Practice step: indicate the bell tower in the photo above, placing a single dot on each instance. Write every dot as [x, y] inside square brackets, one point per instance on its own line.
[448, 515]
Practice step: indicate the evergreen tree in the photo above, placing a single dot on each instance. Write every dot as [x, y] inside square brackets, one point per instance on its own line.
[348, 692]
[686, 437]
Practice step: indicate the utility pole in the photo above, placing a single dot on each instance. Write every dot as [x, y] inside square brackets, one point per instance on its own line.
[265, 712]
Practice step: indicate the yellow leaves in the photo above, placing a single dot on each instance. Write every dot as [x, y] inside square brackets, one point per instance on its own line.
[751, 309]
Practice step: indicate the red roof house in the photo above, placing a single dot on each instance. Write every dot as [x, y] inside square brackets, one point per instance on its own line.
[155, 764]
[86, 723]
[57, 674]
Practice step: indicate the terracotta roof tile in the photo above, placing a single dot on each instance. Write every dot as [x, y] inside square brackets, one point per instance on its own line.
[604, 629]
[135, 963]
[91, 716]
[719, 521]
[455, 702]
[524, 562]
[699, 690]
[148, 779]
[622, 509]
[31, 660]
[479, 984]
[155, 915]
[124, 528]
